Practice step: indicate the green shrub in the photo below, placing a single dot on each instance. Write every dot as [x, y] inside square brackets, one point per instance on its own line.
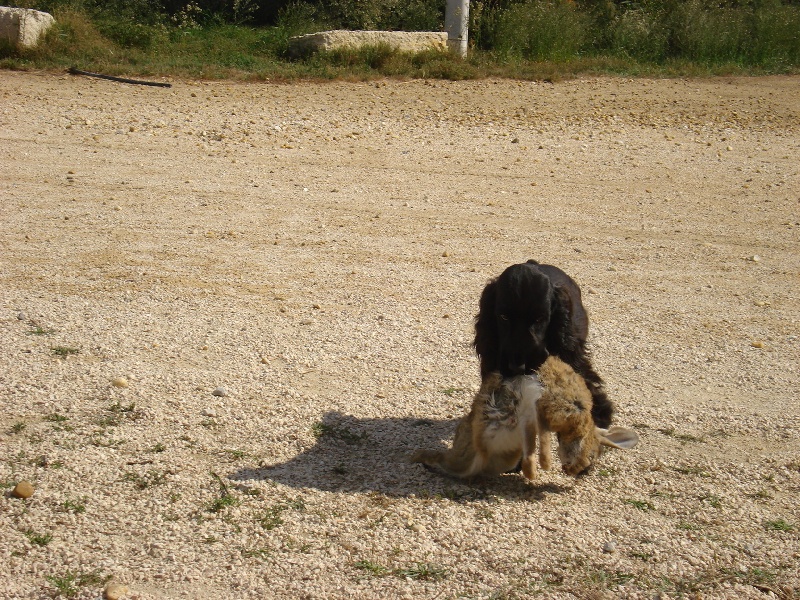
[711, 35]
[776, 35]
[542, 30]
[640, 33]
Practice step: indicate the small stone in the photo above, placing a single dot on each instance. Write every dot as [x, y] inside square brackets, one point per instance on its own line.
[757, 344]
[22, 316]
[749, 549]
[220, 391]
[119, 382]
[754, 258]
[208, 412]
[24, 489]
[115, 591]
[610, 547]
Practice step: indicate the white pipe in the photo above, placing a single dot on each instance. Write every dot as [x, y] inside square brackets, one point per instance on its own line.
[456, 24]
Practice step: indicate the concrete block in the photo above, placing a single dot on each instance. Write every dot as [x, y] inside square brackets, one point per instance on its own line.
[405, 41]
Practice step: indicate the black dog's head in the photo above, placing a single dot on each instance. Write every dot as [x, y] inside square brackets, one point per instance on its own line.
[524, 316]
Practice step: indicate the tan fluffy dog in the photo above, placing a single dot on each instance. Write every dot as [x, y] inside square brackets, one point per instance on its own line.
[508, 415]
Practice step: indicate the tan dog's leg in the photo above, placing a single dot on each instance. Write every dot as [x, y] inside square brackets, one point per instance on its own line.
[545, 447]
[529, 450]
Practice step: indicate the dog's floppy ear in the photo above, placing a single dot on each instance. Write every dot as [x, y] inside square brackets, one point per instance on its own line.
[561, 337]
[486, 338]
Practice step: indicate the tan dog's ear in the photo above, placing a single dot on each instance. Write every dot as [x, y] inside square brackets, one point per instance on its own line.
[617, 437]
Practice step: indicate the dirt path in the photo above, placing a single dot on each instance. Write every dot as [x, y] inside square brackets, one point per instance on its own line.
[314, 254]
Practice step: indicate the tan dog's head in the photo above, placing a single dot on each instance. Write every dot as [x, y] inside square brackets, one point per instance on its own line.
[579, 450]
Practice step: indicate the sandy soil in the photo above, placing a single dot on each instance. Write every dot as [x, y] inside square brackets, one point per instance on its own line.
[313, 254]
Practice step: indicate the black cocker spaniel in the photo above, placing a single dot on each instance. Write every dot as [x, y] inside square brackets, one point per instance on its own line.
[528, 313]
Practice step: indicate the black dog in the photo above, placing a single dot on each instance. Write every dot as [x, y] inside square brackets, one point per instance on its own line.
[528, 313]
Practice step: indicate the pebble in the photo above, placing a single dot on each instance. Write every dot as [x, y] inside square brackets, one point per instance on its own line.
[610, 547]
[22, 316]
[24, 489]
[208, 412]
[220, 391]
[757, 344]
[115, 591]
[119, 382]
[750, 550]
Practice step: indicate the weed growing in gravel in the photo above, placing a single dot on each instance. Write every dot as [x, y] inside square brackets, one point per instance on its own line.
[256, 553]
[56, 418]
[452, 390]
[119, 408]
[692, 470]
[272, 516]
[761, 495]
[340, 432]
[485, 514]
[374, 569]
[753, 576]
[58, 422]
[225, 498]
[69, 583]
[608, 579]
[640, 504]
[714, 501]
[75, 506]
[18, 427]
[687, 526]
[222, 502]
[422, 572]
[682, 437]
[38, 539]
[39, 331]
[606, 472]
[64, 351]
[151, 478]
[159, 447]
[778, 525]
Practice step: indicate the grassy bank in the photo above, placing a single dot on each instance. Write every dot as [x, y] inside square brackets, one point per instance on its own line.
[527, 40]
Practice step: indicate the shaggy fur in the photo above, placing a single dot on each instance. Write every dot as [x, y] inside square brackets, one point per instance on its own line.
[507, 417]
[528, 313]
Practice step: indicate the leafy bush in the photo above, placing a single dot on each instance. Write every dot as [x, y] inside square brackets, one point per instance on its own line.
[710, 35]
[640, 33]
[542, 30]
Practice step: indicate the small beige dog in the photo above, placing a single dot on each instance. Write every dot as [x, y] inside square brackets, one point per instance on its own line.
[508, 415]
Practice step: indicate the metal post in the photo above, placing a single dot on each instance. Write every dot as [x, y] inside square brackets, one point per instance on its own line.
[456, 24]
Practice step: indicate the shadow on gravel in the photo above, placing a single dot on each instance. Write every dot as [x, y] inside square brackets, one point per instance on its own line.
[372, 455]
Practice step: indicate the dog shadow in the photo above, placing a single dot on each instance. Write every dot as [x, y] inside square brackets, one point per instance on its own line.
[372, 455]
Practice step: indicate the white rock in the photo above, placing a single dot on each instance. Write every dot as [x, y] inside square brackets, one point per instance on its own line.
[23, 27]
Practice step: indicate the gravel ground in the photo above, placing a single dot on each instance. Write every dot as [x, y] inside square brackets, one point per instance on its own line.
[229, 312]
